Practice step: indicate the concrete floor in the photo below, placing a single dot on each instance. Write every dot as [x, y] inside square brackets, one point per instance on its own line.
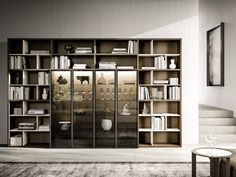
[102, 155]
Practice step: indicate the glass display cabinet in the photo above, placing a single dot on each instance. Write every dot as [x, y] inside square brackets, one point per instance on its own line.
[127, 109]
[83, 109]
[105, 109]
[61, 109]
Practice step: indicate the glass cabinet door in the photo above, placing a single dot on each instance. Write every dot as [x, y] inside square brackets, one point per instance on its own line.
[61, 109]
[83, 109]
[105, 112]
[127, 109]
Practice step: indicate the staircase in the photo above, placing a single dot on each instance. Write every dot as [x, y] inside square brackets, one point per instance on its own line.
[213, 120]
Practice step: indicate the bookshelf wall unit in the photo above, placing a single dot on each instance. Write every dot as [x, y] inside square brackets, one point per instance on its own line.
[94, 93]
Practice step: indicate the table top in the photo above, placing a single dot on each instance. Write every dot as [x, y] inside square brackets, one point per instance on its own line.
[212, 152]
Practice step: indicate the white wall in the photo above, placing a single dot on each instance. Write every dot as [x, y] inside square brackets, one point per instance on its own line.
[211, 13]
[115, 19]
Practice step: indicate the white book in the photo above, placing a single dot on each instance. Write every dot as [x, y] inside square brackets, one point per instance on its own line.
[53, 63]
[165, 63]
[165, 92]
[41, 78]
[62, 58]
[56, 65]
[46, 79]
[162, 123]
[12, 62]
[26, 93]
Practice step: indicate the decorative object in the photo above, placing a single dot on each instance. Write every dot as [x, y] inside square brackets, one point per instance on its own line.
[145, 109]
[172, 64]
[154, 92]
[106, 123]
[102, 80]
[173, 80]
[159, 95]
[126, 110]
[45, 94]
[215, 56]
[17, 111]
[68, 48]
[83, 79]
[61, 80]
[64, 125]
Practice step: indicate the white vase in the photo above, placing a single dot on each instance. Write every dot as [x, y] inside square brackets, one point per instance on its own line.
[106, 124]
[44, 95]
[172, 64]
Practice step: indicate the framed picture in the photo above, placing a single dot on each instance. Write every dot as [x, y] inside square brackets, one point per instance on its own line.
[215, 56]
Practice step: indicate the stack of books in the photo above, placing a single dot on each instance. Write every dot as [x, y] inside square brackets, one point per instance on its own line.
[160, 81]
[83, 50]
[119, 51]
[27, 126]
[107, 65]
[44, 127]
[79, 66]
[37, 111]
[160, 62]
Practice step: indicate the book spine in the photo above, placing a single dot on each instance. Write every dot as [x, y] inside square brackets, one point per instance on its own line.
[12, 62]
[26, 93]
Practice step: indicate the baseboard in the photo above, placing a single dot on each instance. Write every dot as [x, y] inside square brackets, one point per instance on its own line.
[3, 145]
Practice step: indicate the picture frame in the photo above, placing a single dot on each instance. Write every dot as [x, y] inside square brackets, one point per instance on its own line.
[215, 56]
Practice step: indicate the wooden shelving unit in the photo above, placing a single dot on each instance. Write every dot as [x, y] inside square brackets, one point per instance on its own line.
[135, 130]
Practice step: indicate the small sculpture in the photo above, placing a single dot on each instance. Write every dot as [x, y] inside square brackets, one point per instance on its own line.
[145, 109]
[45, 94]
[68, 49]
[61, 80]
[126, 110]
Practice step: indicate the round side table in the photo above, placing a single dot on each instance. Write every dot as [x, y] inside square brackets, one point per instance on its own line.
[215, 155]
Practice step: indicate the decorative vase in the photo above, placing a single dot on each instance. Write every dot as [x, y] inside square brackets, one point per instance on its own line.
[106, 124]
[172, 64]
[102, 80]
[44, 95]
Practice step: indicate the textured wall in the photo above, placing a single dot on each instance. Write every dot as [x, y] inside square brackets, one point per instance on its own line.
[103, 18]
[211, 13]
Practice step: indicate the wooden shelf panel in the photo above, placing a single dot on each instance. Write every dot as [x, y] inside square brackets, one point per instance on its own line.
[154, 55]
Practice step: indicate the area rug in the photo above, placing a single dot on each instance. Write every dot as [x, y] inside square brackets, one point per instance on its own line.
[101, 169]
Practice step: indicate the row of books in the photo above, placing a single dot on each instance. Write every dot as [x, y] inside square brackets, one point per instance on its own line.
[160, 62]
[62, 62]
[19, 93]
[174, 93]
[43, 78]
[144, 93]
[131, 47]
[17, 62]
[160, 123]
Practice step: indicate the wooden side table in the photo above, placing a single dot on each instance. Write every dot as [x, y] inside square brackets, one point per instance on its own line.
[215, 155]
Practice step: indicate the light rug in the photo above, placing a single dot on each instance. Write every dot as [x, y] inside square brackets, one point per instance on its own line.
[101, 169]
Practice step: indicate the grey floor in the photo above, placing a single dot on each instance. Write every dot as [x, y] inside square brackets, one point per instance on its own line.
[101, 155]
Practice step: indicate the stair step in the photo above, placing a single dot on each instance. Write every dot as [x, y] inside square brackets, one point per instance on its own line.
[217, 121]
[211, 111]
[218, 129]
[223, 138]
[215, 113]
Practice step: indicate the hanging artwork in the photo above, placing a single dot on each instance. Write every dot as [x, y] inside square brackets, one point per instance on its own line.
[215, 56]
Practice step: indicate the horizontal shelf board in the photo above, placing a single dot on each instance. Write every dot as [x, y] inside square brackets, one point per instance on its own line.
[36, 130]
[36, 69]
[73, 54]
[157, 85]
[163, 114]
[166, 145]
[12, 54]
[31, 115]
[37, 100]
[27, 85]
[145, 145]
[159, 54]
[145, 130]
[115, 54]
[159, 100]
[168, 130]
[159, 70]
